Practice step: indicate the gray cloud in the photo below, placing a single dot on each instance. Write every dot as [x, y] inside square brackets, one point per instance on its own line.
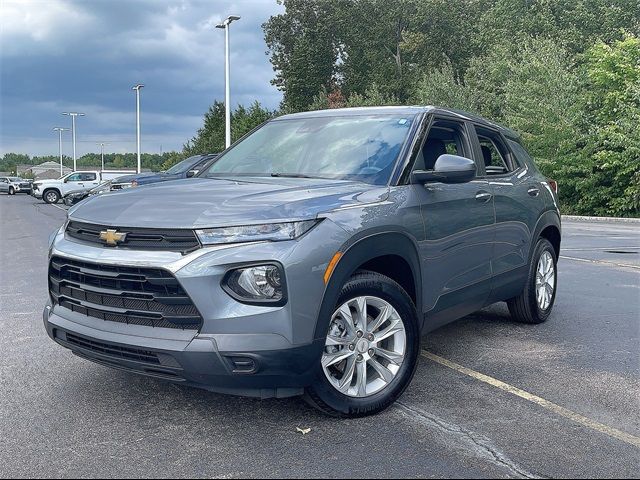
[60, 55]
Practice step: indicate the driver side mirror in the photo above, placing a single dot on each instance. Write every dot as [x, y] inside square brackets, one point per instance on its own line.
[192, 173]
[447, 169]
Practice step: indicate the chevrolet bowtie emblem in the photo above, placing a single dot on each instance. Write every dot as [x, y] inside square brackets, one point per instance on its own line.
[112, 237]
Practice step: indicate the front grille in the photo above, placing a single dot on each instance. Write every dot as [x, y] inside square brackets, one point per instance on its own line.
[25, 185]
[140, 296]
[112, 350]
[182, 240]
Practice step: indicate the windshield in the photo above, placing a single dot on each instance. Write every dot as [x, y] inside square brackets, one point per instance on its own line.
[182, 166]
[15, 179]
[363, 148]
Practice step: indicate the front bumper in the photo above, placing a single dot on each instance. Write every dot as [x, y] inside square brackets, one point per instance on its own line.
[250, 350]
[197, 362]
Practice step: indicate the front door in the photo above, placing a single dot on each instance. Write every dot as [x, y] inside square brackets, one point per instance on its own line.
[459, 231]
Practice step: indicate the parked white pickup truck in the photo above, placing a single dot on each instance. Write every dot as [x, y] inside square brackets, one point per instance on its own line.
[51, 191]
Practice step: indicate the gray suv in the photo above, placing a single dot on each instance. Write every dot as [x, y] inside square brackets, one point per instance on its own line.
[310, 257]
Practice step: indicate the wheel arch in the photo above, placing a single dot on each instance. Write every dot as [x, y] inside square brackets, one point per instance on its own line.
[549, 226]
[393, 254]
[47, 189]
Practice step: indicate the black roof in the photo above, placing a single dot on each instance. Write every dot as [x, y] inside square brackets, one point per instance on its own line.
[401, 110]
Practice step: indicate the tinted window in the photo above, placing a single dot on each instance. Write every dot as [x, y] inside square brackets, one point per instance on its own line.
[444, 137]
[87, 177]
[357, 147]
[520, 154]
[182, 166]
[494, 152]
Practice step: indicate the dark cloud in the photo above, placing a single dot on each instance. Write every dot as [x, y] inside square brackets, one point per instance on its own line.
[60, 55]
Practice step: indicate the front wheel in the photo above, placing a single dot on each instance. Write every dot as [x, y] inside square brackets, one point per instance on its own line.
[371, 348]
[12, 191]
[536, 301]
[51, 196]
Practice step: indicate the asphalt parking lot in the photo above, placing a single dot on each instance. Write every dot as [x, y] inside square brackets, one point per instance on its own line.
[491, 398]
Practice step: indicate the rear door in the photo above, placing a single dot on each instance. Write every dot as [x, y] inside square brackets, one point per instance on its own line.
[459, 230]
[4, 184]
[79, 181]
[518, 204]
[90, 179]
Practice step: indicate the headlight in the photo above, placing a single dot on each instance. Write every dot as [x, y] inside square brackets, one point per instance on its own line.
[262, 284]
[273, 232]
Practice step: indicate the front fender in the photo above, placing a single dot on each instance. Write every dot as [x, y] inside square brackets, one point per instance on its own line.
[356, 252]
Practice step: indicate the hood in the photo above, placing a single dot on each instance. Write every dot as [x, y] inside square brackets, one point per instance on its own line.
[202, 202]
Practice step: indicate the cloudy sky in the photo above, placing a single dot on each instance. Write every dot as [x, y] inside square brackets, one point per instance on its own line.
[84, 55]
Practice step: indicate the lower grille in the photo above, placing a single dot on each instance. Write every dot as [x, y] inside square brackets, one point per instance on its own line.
[112, 350]
[140, 296]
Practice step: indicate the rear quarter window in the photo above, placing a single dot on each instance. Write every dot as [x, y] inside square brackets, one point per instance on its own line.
[520, 155]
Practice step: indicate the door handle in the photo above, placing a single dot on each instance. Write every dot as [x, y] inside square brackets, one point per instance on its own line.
[483, 196]
[533, 191]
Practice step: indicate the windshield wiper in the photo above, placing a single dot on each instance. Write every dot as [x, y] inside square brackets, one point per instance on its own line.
[291, 175]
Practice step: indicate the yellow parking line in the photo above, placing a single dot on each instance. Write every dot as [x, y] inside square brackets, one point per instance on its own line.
[557, 409]
[601, 262]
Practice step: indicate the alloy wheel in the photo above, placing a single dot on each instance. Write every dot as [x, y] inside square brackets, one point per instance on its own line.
[545, 280]
[365, 346]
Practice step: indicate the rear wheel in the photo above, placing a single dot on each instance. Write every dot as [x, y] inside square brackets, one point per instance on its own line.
[51, 196]
[536, 301]
[371, 348]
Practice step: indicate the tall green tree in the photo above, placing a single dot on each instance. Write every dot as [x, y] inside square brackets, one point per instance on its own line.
[612, 186]
[303, 49]
[210, 138]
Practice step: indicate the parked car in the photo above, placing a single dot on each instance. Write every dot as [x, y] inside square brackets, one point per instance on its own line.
[185, 169]
[13, 185]
[51, 191]
[310, 257]
[77, 196]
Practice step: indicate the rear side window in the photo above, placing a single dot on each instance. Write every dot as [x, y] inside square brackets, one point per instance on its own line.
[495, 153]
[87, 177]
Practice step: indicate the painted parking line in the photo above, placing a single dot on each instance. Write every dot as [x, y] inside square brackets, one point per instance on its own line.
[601, 262]
[557, 409]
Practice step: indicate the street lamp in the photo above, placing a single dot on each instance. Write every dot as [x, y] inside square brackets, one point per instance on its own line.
[73, 116]
[102, 152]
[227, 113]
[137, 89]
[60, 130]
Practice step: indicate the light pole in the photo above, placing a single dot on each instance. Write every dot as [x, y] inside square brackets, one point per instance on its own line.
[137, 89]
[60, 130]
[73, 116]
[227, 107]
[102, 152]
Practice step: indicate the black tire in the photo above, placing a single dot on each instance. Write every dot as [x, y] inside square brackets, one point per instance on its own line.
[12, 191]
[51, 196]
[524, 308]
[323, 396]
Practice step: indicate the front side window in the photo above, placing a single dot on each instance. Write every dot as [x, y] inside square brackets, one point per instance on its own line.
[444, 137]
[73, 178]
[351, 147]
